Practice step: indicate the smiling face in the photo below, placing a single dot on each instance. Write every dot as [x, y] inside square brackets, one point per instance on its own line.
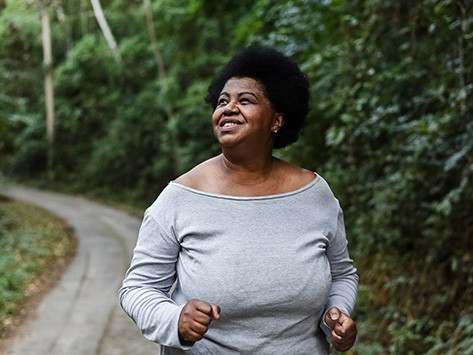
[245, 114]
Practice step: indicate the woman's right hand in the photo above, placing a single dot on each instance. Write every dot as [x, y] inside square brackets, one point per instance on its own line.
[343, 329]
[195, 319]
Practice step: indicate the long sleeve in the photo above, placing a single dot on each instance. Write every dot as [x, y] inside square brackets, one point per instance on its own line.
[344, 276]
[144, 295]
[271, 263]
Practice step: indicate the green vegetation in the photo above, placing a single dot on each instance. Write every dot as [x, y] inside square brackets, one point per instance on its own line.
[390, 128]
[34, 245]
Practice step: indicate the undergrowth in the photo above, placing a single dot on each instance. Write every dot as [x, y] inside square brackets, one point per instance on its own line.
[33, 243]
[409, 306]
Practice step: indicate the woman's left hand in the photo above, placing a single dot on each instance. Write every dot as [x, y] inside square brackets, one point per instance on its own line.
[343, 329]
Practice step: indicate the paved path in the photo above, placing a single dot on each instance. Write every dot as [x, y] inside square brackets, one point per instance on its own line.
[81, 315]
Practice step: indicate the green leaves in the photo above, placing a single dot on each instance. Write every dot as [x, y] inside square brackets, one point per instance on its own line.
[31, 243]
[390, 125]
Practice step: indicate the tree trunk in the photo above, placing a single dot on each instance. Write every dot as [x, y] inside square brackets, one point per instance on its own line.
[154, 39]
[162, 77]
[48, 80]
[99, 15]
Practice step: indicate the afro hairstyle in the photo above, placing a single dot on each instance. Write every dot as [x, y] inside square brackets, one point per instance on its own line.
[285, 85]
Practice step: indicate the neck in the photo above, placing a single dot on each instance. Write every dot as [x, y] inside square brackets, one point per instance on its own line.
[247, 171]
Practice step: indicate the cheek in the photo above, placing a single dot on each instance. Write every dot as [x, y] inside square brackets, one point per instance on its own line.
[215, 116]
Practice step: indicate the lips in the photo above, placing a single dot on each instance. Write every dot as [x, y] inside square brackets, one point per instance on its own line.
[227, 124]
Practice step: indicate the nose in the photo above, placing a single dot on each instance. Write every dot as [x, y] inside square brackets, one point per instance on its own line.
[230, 108]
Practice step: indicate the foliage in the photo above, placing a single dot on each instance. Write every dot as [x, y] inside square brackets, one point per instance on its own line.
[31, 243]
[21, 89]
[390, 128]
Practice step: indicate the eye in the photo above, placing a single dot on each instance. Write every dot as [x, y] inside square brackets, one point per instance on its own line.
[222, 101]
[246, 100]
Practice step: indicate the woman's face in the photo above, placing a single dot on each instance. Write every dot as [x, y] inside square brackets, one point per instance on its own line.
[244, 114]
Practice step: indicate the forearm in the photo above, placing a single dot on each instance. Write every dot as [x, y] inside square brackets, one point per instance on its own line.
[343, 292]
[155, 314]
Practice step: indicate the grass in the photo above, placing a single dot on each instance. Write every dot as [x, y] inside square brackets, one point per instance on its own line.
[35, 247]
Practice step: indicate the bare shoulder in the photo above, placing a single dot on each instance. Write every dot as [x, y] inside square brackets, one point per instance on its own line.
[295, 176]
[199, 176]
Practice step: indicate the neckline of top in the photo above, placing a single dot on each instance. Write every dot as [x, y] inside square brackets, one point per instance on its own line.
[247, 198]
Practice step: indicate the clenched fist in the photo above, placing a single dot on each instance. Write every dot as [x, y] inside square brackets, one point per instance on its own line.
[195, 319]
[343, 329]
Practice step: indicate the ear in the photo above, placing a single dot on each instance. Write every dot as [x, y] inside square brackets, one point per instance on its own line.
[278, 121]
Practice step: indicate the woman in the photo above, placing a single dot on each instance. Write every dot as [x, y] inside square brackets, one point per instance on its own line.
[254, 245]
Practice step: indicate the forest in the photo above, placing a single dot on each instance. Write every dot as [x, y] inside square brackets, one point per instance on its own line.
[390, 127]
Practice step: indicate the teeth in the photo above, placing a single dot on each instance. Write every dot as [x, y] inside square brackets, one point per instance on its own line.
[229, 124]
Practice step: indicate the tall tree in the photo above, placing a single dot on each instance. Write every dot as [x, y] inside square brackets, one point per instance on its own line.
[154, 39]
[107, 32]
[48, 78]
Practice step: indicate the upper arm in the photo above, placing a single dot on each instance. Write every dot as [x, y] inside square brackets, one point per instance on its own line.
[154, 258]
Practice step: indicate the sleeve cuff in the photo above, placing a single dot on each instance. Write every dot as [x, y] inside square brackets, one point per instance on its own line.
[326, 329]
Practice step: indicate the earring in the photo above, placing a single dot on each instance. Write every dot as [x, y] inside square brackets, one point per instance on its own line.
[275, 130]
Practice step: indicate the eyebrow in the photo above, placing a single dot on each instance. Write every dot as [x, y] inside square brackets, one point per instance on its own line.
[239, 94]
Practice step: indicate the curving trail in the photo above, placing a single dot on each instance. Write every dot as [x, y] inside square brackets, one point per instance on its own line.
[81, 315]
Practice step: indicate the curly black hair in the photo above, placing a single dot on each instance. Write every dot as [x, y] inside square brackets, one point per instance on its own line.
[284, 84]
